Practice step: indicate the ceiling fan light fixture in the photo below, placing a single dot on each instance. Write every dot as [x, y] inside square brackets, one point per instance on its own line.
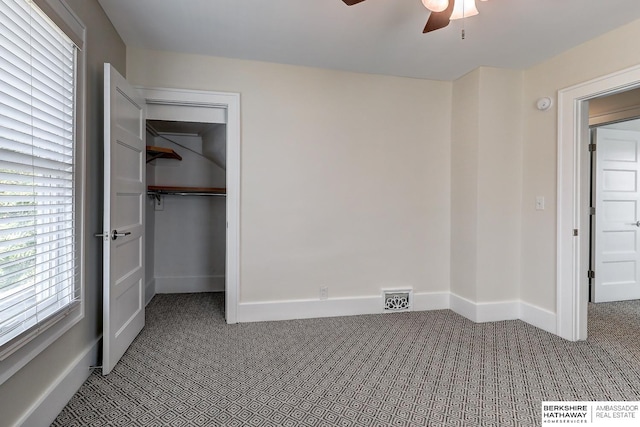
[436, 5]
[464, 9]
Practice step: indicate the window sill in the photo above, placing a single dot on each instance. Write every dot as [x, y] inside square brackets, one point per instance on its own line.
[18, 355]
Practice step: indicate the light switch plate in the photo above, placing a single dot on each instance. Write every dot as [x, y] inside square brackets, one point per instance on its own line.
[539, 203]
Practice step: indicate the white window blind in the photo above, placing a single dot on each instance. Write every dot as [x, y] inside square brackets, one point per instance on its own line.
[39, 267]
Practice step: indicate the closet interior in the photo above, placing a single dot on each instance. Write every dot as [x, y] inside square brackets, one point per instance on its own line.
[185, 224]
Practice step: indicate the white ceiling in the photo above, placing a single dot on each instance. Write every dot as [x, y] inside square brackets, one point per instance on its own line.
[376, 36]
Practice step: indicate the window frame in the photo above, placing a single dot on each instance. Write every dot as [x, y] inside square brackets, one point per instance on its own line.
[18, 354]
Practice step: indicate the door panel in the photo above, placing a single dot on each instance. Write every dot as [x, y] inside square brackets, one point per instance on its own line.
[617, 255]
[127, 161]
[124, 204]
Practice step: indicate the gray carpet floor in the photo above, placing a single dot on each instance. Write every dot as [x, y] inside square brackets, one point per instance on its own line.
[188, 368]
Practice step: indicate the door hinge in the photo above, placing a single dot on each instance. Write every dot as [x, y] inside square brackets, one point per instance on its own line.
[592, 147]
[575, 231]
[591, 274]
[592, 211]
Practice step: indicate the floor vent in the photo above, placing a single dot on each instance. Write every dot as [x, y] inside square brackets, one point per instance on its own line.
[397, 300]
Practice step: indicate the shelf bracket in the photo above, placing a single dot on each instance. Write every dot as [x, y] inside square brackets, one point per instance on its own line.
[152, 158]
[154, 195]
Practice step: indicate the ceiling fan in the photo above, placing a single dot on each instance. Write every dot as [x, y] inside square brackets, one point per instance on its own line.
[442, 11]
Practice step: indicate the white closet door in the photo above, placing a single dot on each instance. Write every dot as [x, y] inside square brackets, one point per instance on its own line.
[123, 227]
[617, 255]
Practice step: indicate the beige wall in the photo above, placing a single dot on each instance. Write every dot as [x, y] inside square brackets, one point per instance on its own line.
[486, 185]
[464, 185]
[499, 184]
[604, 55]
[345, 177]
[23, 389]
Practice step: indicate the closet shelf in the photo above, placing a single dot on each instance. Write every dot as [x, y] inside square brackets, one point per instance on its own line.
[161, 153]
[160, 190]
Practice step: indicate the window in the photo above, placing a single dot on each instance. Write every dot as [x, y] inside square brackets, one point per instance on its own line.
[40, 174]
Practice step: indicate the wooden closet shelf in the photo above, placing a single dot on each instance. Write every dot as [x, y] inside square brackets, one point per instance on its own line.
[161, 153]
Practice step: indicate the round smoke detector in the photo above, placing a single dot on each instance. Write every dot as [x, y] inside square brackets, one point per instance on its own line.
[544, 104]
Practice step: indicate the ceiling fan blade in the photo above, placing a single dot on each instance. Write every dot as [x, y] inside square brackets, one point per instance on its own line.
[352, 2]
[439, 20]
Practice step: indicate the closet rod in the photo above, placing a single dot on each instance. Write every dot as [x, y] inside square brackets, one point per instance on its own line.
[157, 191]
[182, 193]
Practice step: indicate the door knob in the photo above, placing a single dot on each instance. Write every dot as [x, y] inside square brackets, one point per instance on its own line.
[115, 234]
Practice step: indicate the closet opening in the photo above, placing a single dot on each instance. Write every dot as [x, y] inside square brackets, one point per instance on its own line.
[614, 255]
[186, 222]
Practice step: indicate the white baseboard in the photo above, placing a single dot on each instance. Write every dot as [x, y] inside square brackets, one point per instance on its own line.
[481, 312]
[431, 301]
[538, 317]
[189, 284]
[307, 309]
[463, 306]
[476, 312]
[53, 400]
[149, 291]
[497, 311]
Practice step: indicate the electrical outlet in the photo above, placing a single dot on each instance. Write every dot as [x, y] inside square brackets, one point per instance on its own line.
[158, 204]
[324, 293]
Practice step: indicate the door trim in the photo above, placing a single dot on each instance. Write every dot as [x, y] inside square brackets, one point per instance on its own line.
[572, 252]
[230, 102]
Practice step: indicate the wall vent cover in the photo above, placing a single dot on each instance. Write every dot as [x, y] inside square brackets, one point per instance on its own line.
[397, 300]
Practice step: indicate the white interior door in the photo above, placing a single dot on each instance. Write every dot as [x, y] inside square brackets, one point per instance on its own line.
[123, 226]
[617, 219]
